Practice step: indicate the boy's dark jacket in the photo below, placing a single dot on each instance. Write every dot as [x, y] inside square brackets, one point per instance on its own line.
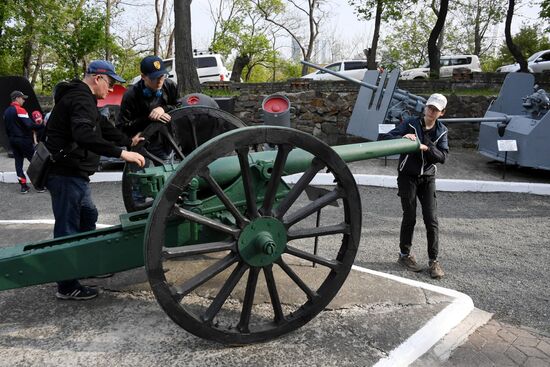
[75, 119]
[421, 163]
[136, 107]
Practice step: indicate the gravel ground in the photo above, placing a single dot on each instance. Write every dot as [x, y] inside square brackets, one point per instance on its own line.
[494, 247]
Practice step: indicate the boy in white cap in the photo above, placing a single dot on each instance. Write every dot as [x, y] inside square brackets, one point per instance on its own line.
[416, 179]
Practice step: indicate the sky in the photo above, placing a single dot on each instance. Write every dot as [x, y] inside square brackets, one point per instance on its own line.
[355, 33]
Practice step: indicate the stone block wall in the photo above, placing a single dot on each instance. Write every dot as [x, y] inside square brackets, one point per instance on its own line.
[325, 111]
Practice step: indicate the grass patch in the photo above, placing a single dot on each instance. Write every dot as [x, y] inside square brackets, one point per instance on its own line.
[221, 93]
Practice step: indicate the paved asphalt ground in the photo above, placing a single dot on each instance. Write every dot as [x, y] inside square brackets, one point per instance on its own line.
[494, 246]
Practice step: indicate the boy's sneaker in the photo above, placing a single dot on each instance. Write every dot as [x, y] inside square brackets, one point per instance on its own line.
[436, 271]
[81, 293]
[40, 189]
[409, 262]
[24, 189]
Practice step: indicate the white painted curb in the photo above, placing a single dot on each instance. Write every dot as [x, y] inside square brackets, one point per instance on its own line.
[326, 179]
[11, 177]
[435, 329]
[43, 221]
[442, 184]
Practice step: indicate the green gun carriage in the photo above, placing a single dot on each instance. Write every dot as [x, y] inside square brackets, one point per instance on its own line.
[223, 237]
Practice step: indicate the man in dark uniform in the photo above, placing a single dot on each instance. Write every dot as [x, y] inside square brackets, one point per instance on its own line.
[76, 127]
[149, 100]
[19, 128]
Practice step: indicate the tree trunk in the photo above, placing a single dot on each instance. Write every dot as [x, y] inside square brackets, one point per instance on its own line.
[37, 66]
[371, 52]
[477, 32]
[107, 29]
[27, 56]
[240, 62]
[434, 53]
[158, 25]
[514, 50]
[188, 79]
[170, 49]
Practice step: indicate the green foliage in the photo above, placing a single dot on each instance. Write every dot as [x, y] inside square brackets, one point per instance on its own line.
[406, 46]
[391, 9]
[545, 9]
[59, 36]
[245, 35]
[529, 40]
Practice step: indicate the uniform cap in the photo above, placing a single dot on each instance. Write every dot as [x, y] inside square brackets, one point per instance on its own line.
[153, 67]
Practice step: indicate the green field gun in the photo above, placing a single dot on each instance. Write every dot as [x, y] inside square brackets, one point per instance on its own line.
[224, 238]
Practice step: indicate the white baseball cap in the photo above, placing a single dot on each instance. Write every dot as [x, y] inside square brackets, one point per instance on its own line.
[438, 101]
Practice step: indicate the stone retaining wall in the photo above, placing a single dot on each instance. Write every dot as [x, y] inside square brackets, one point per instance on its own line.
[325, 114]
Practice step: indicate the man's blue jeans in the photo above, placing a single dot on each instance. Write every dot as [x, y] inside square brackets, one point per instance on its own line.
[73, 209]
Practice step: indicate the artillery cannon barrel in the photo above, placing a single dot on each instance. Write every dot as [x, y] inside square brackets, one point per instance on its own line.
[226, 169]
[504, 118]
[399, 94]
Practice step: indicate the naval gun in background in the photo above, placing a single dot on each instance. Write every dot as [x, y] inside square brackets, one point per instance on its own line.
[520, 115]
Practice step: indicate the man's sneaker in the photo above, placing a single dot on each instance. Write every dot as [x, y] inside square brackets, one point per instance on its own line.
[40, 189]
[436, 271]
[25, 189]
[409, 262]
[80, 293]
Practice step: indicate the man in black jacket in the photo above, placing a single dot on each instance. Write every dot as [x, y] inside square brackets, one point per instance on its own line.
[76, 127]
[149, 100]
[416, 179]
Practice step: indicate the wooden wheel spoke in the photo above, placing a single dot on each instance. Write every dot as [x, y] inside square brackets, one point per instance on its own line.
[274, 295]
[249, 191]
[173, 143]
[313, 207]
[248, 301]
[203, 248]
[204, 276]
[224, 293]
[333, 264]
[241, 220]
[276, 174]
[296, 279]
[193, 123]
[299, 187]
[342, 228]
[201, 219]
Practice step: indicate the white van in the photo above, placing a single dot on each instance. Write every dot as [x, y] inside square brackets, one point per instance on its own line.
[448, 64]
[209, 66]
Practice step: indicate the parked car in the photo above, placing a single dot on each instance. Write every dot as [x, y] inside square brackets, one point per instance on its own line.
[352, 68]
[448, 64]
[210, 68]
[536, 63]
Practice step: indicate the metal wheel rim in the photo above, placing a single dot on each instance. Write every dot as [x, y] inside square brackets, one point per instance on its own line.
[163, 209]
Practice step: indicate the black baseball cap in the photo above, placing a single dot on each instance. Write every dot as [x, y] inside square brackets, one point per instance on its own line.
[104, 67]
[153, 67]
[16, 94]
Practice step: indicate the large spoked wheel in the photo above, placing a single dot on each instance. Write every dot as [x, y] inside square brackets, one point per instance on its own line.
[254, 280]
[190, 127]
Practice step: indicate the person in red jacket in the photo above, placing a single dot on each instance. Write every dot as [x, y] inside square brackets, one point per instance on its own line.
[20, 128]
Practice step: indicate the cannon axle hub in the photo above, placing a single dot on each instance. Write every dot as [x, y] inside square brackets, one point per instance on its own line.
[262, 241]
